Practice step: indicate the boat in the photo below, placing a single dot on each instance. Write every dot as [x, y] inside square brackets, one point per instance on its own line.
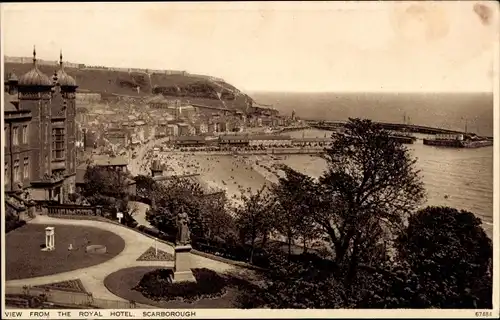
[458, 141]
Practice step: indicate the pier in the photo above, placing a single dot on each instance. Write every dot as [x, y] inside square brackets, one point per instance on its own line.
[334, 125]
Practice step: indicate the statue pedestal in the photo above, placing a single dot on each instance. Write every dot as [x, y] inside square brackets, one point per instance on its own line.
[182, 266]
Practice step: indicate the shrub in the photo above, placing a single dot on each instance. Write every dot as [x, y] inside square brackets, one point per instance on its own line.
[157, 285]
[12, 220]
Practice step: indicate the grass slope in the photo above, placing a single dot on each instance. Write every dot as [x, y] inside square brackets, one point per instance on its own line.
[125, 83]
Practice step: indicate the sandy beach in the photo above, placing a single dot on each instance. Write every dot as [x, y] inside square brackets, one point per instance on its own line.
[237, 174]
[233, 174]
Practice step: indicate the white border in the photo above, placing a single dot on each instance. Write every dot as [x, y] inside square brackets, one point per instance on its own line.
[283, 313]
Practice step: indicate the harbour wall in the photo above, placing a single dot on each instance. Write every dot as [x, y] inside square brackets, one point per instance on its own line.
[332, 125]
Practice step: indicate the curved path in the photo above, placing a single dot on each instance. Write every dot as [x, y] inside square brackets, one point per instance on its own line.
[135, 245]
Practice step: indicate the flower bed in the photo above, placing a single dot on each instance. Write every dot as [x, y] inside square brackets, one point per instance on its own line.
[157, 285]
[70, 285]
[150, 255]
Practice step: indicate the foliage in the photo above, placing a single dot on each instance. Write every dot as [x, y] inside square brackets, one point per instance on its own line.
[104, 181]
[157, 285]
[296, 283]
[451, 255]
[253, 218]
[371, 185]
[208, 214]
[12, 220]
[294, 197]
[144, 185]
[219, 224]
[175, 196]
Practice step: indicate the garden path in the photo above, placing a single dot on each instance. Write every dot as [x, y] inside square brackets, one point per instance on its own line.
[135, 245]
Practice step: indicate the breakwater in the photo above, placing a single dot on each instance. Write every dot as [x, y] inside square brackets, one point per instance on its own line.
[333, 125]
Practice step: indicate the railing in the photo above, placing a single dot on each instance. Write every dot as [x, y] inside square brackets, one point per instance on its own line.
[71, 209]
[80, 299]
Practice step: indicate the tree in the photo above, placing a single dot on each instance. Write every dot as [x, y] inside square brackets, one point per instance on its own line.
[104, 181]
[451, 255]
[297, 283]
[207, 213]
[107, 188]
[219, 223]
[253, 217]
[173, 197]
[293, 195]
[144, 186]
[371, 184]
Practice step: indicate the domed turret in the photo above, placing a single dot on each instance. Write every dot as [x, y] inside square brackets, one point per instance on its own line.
[34, 77]
[63, 78]
[12, 78]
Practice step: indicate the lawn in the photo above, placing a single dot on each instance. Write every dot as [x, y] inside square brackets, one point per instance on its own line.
[24, 258]
[122, 282]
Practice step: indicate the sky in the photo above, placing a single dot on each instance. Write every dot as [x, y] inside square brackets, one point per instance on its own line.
[273, 46]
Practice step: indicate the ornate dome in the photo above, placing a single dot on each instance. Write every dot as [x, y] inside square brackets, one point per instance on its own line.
[63, 78]
[12, 77]
[34, 77]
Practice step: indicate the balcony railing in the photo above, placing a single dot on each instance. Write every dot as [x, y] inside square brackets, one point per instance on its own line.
[74, 210]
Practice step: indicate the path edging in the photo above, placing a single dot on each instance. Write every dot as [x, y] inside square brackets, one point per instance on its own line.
[193, 251]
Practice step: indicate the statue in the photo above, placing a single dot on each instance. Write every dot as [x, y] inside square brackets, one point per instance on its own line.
[183, 234]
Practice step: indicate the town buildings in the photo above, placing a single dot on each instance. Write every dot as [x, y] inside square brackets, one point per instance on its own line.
[40, 132]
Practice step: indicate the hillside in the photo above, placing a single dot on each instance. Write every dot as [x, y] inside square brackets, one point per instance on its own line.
[196, 89]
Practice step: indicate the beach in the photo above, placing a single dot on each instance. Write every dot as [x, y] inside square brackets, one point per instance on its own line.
[464, 180]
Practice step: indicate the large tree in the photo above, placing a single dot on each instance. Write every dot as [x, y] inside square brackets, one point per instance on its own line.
[208, 213]
[101, 180]
[294, 196]
[106, 187]
[371, 185]
[173, 197]
[451, 255]
[253, 218]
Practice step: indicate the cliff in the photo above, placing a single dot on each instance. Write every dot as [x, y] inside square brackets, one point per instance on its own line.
[136, 82]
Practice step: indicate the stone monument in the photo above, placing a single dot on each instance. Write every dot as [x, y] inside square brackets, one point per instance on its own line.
[182, 257]
[50, 243]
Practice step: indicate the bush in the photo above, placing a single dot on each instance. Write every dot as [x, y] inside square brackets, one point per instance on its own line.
[11, 225]
[12, 220]
[157, 285]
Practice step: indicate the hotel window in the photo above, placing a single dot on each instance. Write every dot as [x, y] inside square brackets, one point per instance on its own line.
[15, 136]
[6, 174]
[26, 168]
[58, 143]
[25, 134]
[16, 171]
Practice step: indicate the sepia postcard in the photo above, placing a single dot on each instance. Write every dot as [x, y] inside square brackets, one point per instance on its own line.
[250, 160]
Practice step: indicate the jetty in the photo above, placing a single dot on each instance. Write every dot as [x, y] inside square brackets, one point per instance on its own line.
[334, 125]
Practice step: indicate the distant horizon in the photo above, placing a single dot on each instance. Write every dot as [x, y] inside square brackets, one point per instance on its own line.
[273, 46]
[373, 92]
[263, 91]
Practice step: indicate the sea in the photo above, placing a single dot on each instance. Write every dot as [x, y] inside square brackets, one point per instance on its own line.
[459, 178]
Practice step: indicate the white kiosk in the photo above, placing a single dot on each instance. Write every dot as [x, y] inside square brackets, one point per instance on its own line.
[50, 243]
